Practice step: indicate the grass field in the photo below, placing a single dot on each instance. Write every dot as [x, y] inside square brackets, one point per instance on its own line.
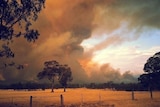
[80, 97]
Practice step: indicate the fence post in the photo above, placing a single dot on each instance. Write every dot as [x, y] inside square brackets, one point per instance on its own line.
[132, 94]
[151, 94]
[31, 101]
[12, 101]
[62, 100]
[99, 97]
[82, 98]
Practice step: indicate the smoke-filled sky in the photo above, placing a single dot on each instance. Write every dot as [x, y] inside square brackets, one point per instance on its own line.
[101, 40]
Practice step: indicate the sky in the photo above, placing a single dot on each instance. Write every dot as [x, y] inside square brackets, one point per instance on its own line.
[101, 40]
[129, 55]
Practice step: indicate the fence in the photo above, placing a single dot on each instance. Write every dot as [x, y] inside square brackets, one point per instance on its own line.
[32, 101]
[73, 98]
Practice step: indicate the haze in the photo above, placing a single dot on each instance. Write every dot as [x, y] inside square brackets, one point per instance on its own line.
[101, 40]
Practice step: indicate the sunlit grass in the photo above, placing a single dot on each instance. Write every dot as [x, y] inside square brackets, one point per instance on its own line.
[80, 96]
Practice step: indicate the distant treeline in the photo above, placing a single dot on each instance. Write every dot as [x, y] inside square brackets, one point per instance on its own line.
[108, 85]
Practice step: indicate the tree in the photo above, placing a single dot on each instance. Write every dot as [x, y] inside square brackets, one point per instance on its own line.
[54, 70]
[16, 17]
[66, 76]
[151, 77]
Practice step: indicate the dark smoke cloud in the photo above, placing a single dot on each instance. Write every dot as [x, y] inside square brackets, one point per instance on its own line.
[63, 26]
[141, 13]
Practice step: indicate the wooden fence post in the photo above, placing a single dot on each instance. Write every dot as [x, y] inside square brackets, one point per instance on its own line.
[99, 97]
[31, 101]
[82, 98]
[151, 93]
[132, 94]
[12, 101]
[62, 100]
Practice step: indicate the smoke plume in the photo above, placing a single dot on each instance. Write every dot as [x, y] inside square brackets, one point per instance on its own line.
[65, 24]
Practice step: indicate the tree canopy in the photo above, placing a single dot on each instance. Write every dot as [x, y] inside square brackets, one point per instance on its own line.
[16, 17]
[52, 69]
[151, 77]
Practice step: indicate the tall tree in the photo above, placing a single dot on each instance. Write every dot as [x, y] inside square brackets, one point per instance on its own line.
[54, 70]
[151, 77]
[16, 17]
[66, 76]
[50, 71]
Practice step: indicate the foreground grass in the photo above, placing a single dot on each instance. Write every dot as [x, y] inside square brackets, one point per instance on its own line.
[81, 97]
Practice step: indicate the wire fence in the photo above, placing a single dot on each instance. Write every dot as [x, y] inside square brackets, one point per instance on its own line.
[73, 99]
[32, 101]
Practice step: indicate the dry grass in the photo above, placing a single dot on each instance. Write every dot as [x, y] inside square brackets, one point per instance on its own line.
[78, 98]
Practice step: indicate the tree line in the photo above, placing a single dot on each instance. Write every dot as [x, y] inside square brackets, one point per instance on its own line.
[108, 85]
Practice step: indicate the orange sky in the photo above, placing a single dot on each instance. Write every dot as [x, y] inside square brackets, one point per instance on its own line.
[89, 35]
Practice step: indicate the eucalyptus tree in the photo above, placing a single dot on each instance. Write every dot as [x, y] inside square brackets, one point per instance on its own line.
[65, 76]
[53, 70]
[16, 18]
[151, 77]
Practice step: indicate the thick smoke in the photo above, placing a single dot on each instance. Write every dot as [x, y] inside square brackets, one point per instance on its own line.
[65, 24]
[106, 73]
